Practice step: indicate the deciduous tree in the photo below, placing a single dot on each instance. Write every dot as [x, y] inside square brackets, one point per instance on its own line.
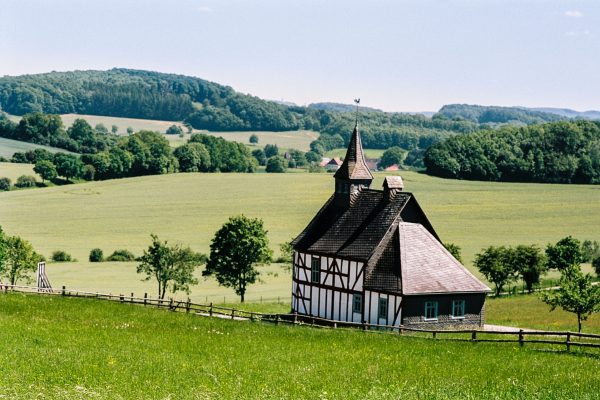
[45, 169]
[20, 260]
[576, 294]
[171, 266]
[236, 248]
[493, 264]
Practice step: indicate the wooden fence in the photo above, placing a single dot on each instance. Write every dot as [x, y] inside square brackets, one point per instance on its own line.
[567, 339]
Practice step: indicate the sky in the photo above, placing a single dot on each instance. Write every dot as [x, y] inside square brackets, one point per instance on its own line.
[398, 55]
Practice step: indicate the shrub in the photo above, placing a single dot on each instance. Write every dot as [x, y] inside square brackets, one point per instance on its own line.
[96, 255]
[121, 255]
[61, 256]
[253, 139]
[4, 184]
[276, 164]
[174, 130]
[25, 181]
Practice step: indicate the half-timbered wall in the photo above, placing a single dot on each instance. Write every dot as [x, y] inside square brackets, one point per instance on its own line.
[332, 296]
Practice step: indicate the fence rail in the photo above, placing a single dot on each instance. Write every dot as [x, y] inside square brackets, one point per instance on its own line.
[562, 338]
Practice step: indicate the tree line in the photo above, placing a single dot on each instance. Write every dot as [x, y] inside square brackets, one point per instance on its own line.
[235, 251]
[556, 152]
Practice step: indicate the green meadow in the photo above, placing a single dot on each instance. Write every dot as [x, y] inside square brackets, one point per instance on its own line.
[369, 153]
[69, 348]
[189, 208]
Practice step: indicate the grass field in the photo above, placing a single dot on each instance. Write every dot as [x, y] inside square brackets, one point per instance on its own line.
[189, 208]
[8, 147]
[13, 171]
[341, 153]
[285, 140]
[66, 348]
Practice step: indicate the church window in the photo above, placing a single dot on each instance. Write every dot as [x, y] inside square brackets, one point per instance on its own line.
[315, 275]
[357, 303]
[383, 308]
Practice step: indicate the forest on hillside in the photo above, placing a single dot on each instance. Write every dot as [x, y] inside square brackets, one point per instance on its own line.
[207, 105]
[494, 115]
[555, 152]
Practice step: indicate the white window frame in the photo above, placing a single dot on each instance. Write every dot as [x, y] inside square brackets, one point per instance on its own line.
[357, 298]
[461, 304]
[434, 307]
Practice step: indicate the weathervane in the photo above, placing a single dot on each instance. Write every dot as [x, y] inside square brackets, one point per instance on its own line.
[357, 101]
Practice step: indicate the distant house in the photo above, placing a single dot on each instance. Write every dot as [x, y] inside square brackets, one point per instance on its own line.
[324, 161]
[393, 167]
[372, 163]
[334, 164]
[372, 255]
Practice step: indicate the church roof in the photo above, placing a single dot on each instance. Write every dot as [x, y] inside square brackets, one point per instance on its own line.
[391, 234]
[354, 166]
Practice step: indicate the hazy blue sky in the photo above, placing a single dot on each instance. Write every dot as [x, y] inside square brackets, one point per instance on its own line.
[396, 55]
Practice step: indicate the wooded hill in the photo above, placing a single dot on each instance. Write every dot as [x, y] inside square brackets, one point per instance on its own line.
[494, 115]
[556, 152]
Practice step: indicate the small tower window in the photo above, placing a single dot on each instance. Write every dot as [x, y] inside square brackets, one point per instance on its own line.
[458, 308]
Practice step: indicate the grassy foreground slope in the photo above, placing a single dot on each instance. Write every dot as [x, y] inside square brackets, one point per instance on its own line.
[83, 349]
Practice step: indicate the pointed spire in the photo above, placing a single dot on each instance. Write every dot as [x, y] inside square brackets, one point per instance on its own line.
[354, 166]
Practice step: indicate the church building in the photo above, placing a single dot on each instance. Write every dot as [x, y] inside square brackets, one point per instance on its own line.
[373, 256]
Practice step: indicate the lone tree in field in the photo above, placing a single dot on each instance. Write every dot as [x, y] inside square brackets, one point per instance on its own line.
[563, 255]
[576, 295]
[493, 264]
[19, 259]
[529, 262]
[45, 169]
[172, 266]
[236, 248]
[253, 139]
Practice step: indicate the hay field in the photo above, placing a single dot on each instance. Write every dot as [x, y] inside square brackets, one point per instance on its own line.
[14, 170]
[286, 140]
[189, 208]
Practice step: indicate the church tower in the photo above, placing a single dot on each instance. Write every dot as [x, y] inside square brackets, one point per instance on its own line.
[354, 173]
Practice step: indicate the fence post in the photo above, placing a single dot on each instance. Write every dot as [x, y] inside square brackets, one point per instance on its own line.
[145, 298]
[364, 325]
[171, 303]
[132, 297]
[400, 330]
[335, 325]
[434, 332]
[64, 290]
[295, 317]
[210, 309]
[187, 306]
[521, 337]
[474, 336]
[251, 317]
[276, 319]
[232, 313]
[121, 298]
[568, 341]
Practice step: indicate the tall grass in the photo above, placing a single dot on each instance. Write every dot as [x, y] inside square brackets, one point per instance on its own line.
[66, 348]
